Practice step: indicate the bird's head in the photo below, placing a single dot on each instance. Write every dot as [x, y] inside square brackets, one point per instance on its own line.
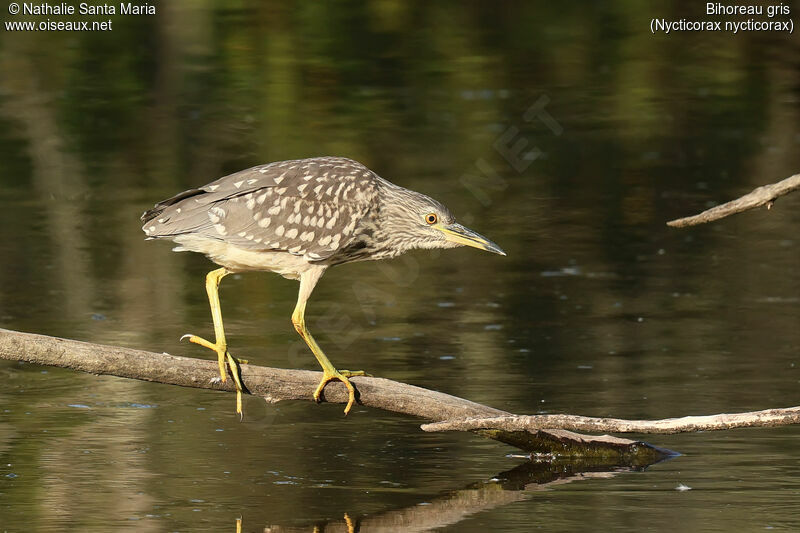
[413, 220]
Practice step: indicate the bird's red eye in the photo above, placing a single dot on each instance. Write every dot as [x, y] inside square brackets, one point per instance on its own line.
[431, 218]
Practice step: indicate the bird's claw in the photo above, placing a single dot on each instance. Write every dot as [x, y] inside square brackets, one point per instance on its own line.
[224, 358]
[341, 375]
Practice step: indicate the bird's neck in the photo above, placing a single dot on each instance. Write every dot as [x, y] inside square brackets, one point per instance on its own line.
[393, 235]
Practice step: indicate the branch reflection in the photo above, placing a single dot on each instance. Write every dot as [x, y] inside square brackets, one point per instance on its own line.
[518, 484]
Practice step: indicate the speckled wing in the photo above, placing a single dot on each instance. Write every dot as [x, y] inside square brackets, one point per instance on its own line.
[309, 207]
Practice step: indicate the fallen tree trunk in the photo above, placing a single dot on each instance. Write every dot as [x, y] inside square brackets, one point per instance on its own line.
[764, 195]
[542, 434]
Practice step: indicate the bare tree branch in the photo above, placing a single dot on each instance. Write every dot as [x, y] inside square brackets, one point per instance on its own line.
[548, 434]
[766, 418]
[275, 384]
[764, 195]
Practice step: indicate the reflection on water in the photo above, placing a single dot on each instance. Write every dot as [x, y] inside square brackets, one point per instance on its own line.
[599, 308]
[516, 485]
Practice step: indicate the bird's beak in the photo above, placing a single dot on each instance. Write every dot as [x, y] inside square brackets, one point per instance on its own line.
[465, 236]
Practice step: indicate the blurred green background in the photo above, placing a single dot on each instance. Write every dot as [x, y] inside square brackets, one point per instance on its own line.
[567, 133]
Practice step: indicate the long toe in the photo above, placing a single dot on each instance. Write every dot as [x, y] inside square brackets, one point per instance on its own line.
[233, 365]
[340, 376]
[353, 373]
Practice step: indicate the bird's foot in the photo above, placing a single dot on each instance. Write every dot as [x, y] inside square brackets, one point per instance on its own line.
[341, 375]
[224, 359]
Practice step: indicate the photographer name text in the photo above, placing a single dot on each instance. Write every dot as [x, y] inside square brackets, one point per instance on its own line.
[85, 8]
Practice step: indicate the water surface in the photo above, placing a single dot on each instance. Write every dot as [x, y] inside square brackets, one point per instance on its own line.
[599, 309]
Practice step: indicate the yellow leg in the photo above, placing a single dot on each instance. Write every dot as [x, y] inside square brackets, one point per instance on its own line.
[351, 526]
[220, 346]
[307, 282]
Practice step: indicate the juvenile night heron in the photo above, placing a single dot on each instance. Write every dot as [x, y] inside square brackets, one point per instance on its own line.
[297, 218]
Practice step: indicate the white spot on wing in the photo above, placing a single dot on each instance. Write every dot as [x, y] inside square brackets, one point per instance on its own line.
[279, 231]
[292, 233]
[264, 222]
[215, 214]
[238, 184]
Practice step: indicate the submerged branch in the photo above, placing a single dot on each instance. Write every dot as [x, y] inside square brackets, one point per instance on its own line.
[764, 195]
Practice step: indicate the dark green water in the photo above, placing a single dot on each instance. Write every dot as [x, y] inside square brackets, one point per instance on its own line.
[599, 309]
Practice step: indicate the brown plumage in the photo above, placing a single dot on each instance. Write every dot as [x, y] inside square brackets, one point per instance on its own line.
[297, 218]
